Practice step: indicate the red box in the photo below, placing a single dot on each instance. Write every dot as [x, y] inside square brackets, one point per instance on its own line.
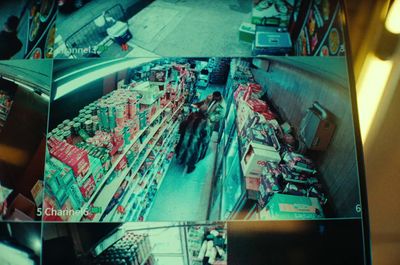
[122, 164]
[72, 156]
[87, 189]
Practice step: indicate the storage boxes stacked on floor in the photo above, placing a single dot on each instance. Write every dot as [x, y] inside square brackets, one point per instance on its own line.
[207, 245]
[268, 29]
[108, 163]
[5, 107]
[132, 249]
[284, 184]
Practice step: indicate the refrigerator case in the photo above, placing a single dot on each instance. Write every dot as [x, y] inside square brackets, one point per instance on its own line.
[321, 32]
[41, 29]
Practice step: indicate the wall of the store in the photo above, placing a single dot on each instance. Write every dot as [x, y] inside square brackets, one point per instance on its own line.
[68, 106]
[81, 97]
[293, 91]
[20, 139]
[83, 236]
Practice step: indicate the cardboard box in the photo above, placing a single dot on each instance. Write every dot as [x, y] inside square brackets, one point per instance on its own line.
[149, 92]
[21, 208]
[264, 137]
[252, 187]
[290, 207]
[247, 32]
[256, 157]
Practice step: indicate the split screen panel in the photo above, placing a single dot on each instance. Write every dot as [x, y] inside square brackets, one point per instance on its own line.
[175, 139]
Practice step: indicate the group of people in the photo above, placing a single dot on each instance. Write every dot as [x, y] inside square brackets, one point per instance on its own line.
[196, 130]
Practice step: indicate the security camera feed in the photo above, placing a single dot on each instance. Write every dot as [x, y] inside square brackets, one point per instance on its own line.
[296, 242]
[20, 243]
[188, 139]
[27, 29]
[135, 243]
[142, 28]
[24, 106]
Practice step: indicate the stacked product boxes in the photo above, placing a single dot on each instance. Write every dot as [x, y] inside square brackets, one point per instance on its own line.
[269, 160]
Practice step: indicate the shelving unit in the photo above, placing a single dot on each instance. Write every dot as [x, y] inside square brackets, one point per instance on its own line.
[133, 160]
[112, 187]
[134, 181]
[132, 216]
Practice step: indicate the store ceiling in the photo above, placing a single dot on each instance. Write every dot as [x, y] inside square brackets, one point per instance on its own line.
[36, 73]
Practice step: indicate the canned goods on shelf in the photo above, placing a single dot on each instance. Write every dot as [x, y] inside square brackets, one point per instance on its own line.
[65, 122]
[76, 126]
[89, 126]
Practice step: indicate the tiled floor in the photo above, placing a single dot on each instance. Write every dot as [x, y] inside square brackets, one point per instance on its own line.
[185, 196]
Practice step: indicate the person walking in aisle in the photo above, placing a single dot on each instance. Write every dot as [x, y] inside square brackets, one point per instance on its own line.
[192, 132]
[214, 108]
[9, 42]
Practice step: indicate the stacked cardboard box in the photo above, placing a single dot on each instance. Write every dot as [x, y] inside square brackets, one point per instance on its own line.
[268, 162]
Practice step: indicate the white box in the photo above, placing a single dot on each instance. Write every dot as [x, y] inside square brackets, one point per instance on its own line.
[256, 157]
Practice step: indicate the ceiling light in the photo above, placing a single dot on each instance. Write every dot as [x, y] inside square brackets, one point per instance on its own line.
[371, 86]
[85, 79]
[393, 18]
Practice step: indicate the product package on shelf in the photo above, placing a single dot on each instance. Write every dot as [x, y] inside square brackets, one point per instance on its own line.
[76, 158]
[207, 243]
[270, 183]
[5, 107]
[132, 248]
[63, 191]
[292, 176]
[299, 163]
[149, 92]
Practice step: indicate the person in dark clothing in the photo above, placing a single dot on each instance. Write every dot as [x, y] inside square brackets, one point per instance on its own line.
[9, 42]
[193, 131]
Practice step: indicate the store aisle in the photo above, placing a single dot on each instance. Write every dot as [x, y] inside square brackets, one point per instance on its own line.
[185, 196]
